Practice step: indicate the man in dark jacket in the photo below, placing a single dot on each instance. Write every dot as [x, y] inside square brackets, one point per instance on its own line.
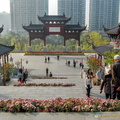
[107, 85]
[115, 83]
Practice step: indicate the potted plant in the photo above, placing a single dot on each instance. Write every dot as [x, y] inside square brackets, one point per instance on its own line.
[7, 71]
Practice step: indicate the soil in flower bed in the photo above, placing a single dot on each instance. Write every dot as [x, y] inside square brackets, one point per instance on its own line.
[49, 77]
[59, 105]
[45, 84]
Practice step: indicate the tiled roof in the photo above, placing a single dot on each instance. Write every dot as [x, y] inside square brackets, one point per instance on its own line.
[75, 27]
[115, 30]
[1, 29]
[103, 48]
[34, 27]
[5, 49]
[54, 18]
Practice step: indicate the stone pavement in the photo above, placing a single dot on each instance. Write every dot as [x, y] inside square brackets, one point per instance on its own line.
[36, 67]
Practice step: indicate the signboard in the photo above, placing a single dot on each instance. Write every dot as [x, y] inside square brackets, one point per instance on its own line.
[54, 29]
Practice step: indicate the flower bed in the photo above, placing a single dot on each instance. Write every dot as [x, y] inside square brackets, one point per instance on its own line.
[45, 84]
[54, 53]
[59, 105]
[49, 77]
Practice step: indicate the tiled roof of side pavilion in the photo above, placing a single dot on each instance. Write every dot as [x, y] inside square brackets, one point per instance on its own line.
[5, 49]
[103, 48]
[112, 31]
[1, 29]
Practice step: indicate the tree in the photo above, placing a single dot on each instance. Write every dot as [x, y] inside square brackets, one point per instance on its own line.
[93, 63]
[90, 38]
[109, 55]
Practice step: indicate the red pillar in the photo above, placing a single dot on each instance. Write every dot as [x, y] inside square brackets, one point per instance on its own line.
[78, 42]
[30, 40]
[44, 42]
[7, 58]
[64, 42]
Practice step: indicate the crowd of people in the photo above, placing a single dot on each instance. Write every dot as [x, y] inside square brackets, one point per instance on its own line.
[75, 62]
[47, 59]
[22, 75]
[110, 82]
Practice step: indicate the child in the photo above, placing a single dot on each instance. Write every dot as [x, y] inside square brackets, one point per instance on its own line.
[20, 76]
[107, 85]
[88, 84]
[50, 74]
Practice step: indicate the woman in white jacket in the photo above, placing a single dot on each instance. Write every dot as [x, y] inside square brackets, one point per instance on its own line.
[88, 84]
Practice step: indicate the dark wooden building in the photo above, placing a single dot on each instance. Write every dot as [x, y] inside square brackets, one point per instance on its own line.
[113, 33]
[100, 50]
[54, 25]
[4, 51]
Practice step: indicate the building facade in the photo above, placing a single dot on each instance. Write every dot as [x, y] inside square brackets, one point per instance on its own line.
[103, 12]
[5, 20]
[74, 9]
[25, 11]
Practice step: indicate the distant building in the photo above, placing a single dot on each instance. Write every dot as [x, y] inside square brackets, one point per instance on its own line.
[5, 20]
[74, 9]
[25, 11]
[103, 12]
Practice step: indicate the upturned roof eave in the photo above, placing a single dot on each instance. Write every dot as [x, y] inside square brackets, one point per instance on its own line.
[32, 27]
[10, 48]
[1, 29]
[112, 31]
[107, 47]
[57, 18]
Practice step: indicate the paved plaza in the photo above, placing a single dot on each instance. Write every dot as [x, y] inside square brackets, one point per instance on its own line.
[36, 67]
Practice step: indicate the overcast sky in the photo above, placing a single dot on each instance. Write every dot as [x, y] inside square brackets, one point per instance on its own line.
[5, 6]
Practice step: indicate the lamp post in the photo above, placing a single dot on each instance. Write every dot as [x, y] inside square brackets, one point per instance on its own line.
[21, 62]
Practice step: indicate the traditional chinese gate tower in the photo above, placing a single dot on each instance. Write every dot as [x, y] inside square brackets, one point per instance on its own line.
[54, 25]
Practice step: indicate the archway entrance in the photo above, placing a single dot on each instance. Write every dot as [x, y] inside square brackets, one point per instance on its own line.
[54, 25]
[54, 42]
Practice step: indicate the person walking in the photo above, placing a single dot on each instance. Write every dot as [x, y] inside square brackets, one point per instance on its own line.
[26, 74]
[45, 59]
[58, 57]
[115, 83]
[48, 59]
[80, 64]
[47, 71]
[107, 85]
[99, 75]
[74, 63]
[88, 84]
